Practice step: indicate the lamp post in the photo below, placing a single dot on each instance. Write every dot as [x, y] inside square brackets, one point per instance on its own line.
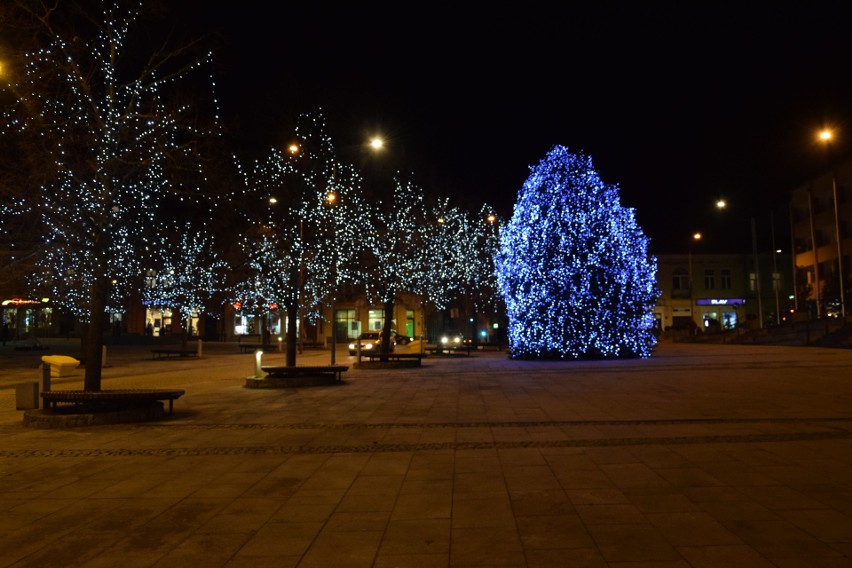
[722, 204]
[695, 238]
[826, 136]
[776, 277]
[331, 200]
[756, 272]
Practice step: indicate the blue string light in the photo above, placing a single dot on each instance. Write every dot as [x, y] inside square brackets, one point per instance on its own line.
[573, 267]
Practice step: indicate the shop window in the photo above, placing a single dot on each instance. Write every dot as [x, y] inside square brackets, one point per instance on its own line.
[348, 327]
[375, 320]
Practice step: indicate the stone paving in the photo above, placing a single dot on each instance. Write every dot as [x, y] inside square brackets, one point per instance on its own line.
[702, 456]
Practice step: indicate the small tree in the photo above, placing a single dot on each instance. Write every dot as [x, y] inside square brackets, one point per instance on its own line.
[574, 268]
[397, 258]
[188, 275]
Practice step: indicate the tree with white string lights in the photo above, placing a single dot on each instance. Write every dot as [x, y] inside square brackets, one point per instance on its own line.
[188, 274]
[99, 129]
[574, 267]
[302, 206]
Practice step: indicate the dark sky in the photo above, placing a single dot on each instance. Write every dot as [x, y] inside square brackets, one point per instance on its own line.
[679, 103]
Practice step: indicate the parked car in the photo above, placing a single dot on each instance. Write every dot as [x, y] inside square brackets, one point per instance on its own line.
[454, 340]
[400, 338]
[370, 341]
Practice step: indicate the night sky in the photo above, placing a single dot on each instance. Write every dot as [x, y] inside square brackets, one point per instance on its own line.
[677, 103]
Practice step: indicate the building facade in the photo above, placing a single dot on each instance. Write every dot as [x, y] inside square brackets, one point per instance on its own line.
[821, 228]
[713, 292]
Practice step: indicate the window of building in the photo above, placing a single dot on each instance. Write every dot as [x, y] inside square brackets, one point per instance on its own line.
[375, 320]
[680, 280]
[348, 326]
[725, 278]
[709, 279]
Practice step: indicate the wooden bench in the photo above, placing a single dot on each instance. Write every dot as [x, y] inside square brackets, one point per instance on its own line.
[163, 352]
[487, 346]
[107, 398]
[252, 347]
[284, 371]
[418, 357]
[449, 351]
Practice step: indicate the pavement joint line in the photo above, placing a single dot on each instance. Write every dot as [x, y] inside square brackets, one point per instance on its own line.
[438, 425]
[419, 447]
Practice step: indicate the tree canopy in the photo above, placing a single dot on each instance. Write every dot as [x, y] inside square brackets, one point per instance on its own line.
[573, 267]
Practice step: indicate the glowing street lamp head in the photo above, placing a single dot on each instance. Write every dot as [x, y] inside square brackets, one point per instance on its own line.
[293, 149]
[721, 204]
[376, 143]
[331, 198]
[696, 236]
[825, 135]
[491, 217]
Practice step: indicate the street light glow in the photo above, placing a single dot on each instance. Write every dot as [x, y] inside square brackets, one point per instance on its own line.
[825, 135]
[721, 204]
[376, 143]
[696, 236]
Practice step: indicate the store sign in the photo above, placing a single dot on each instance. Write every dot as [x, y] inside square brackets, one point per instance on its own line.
[24, 302]
[719, 301]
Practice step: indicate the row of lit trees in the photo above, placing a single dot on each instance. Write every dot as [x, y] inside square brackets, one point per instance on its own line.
[105, 158]
[311, 230]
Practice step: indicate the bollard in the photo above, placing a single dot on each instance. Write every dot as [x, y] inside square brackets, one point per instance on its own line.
[280, 345]
[26, 396]
[103, 356]
[198, 350]
[258, 372]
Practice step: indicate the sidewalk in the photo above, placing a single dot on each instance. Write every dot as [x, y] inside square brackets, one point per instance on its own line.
[702, 455]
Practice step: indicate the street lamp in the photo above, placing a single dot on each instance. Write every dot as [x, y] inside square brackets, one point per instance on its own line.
[695, 238]
[331, 201]
[722, 204]
[826, 136]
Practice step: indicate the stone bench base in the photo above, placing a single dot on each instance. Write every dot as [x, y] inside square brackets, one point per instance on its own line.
[296, 376]
[107, 399]
[66, 409]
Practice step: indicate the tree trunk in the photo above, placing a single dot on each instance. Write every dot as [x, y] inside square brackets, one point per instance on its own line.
[292, 316]
[84, 341]
[386, 336]
[95, 335]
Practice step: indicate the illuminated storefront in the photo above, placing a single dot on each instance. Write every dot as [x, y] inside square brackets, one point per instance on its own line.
[24, 318]
[719, 312]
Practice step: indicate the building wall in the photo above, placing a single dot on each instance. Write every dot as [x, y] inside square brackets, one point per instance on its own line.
[815, 222]
[720, 291]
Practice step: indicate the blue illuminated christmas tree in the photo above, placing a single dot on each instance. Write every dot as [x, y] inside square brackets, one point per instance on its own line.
[573, 267]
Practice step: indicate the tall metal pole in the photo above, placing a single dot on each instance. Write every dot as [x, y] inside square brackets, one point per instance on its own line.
[691, 295]
[793, 259]
[776, 278]
[839, 249]
[756, 272]
[816, 257]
